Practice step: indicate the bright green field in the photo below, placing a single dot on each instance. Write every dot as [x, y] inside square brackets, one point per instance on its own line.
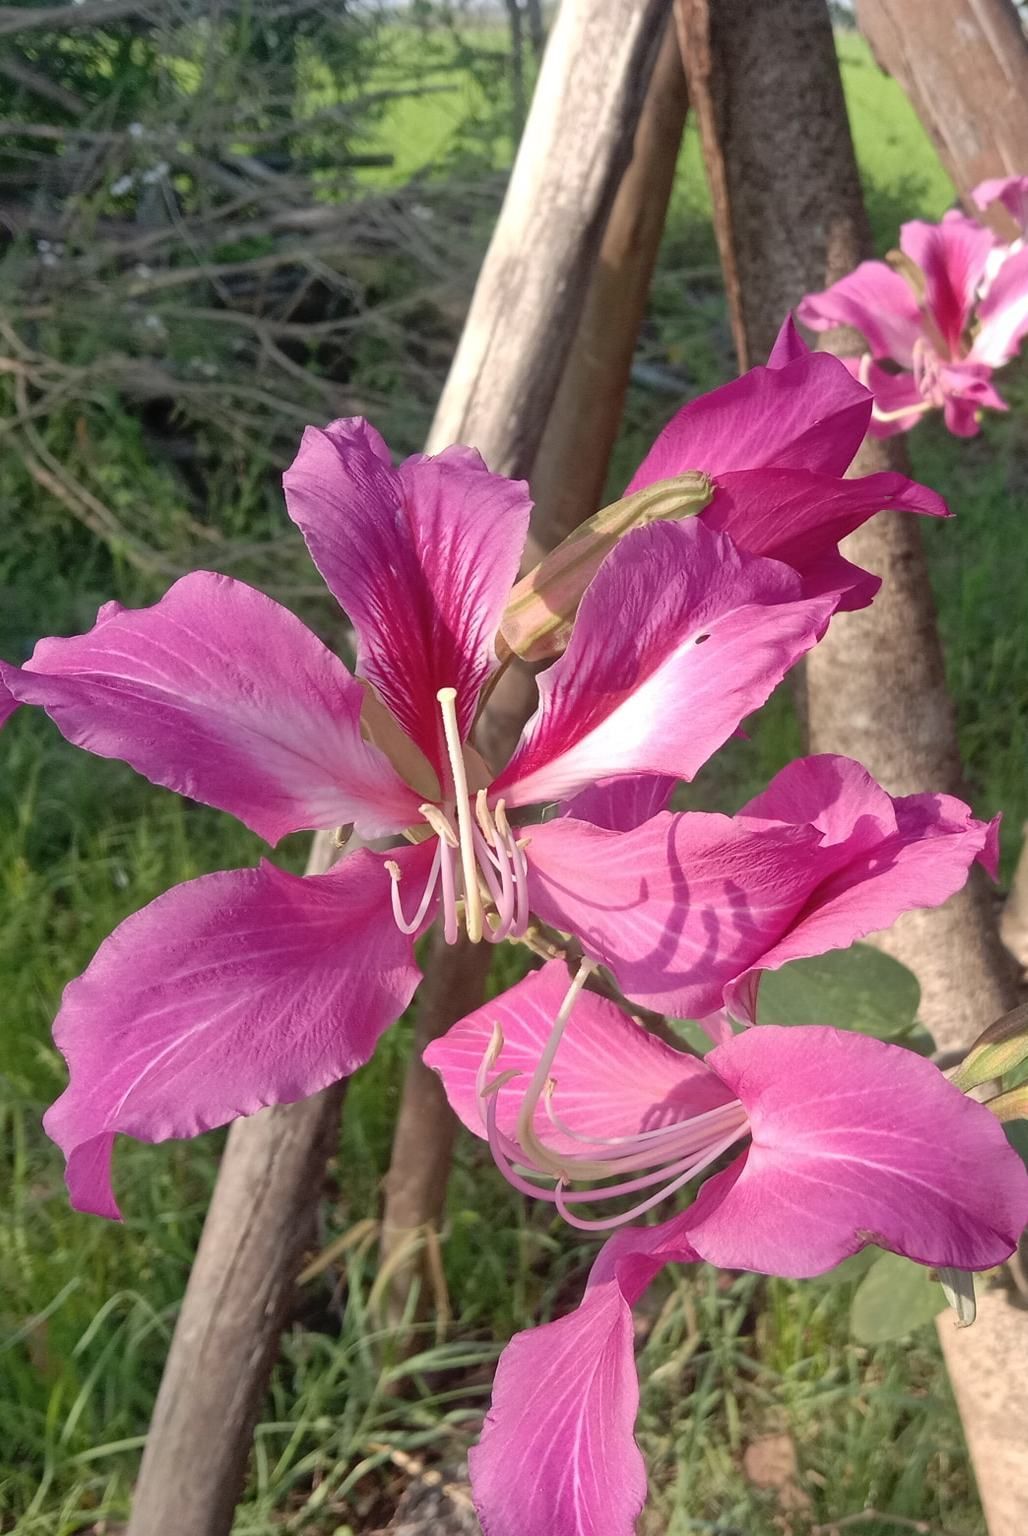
[86, 1308]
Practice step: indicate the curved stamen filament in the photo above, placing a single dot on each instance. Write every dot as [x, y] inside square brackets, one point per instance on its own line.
[536, 1150]
[661, 1159]
[469, 864]
[411, 925]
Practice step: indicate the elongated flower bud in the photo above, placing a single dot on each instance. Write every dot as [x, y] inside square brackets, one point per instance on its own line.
[538, 619]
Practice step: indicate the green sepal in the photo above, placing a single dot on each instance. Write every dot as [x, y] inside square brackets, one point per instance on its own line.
[999, 1049]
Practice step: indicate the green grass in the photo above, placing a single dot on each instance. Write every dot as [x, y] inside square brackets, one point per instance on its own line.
[87, 1307]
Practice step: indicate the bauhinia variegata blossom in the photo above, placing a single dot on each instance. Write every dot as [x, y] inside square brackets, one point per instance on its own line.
[256, 986]
[939, 317]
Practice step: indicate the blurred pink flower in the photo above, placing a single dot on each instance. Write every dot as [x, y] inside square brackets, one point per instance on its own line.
[948, 317]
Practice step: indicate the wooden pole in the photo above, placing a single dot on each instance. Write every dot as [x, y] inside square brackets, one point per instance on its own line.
[964, 66]
[520, 326]
[875, 685]
[567, 480]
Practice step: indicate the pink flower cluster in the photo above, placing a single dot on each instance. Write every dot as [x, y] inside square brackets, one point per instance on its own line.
[255, 987]
[950, 310]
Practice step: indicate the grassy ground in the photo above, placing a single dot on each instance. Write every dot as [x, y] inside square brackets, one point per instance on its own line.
[87, 1308]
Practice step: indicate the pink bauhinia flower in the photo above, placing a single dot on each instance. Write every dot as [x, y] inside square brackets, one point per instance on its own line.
[253, 987]
[840, 1141]
[946, 316]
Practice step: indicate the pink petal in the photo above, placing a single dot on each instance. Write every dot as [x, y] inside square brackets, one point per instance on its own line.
[613, 1077]
[621, 804]
[876, 301]
[1003, 313]
[225, 994]
[899, 404]
[678, 638]
[8, 703]
[799, 517]
[1011, 191]
[789, 345]
[678, 908]
[889, 855]
[422, 558]
[558, 1455]
[953, 256]
[220, 694]
[854, 1142]
[807, 413]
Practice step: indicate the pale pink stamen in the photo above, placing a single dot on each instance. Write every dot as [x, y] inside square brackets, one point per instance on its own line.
[411, 925]
[666, 1156]
[493, 867]
[448, 860]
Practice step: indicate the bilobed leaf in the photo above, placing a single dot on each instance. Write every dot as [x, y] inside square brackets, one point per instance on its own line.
[539, 616]
[999, 1049]
[895, 1297]
[859, 988]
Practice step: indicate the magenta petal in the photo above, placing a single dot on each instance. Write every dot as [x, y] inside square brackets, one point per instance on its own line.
[613, 1077]
[890, 855]
[678, 638]
[876, 301]
[678, 908]
[222, 695]
[799, 517]
[789, 345]
[1003, 313]
[421, 557]
[808, 413]
[8, 703]
[899, 403]
[558, 1455]
[953, 256]
[855, 1142]
[226, 994]
[1011, 191]
[621, 804]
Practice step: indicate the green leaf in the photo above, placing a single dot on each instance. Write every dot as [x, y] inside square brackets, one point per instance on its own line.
[1000, 1048]
[895, 1297]
[858, 988]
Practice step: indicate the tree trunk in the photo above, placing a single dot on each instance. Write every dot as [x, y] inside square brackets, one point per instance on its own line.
[964, 65]
[522, 319]
[793, 220]
[567, 481]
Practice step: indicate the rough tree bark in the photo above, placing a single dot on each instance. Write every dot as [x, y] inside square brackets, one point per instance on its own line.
[567, 473]
[793, 218]
[964, 65]
[504, 377]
